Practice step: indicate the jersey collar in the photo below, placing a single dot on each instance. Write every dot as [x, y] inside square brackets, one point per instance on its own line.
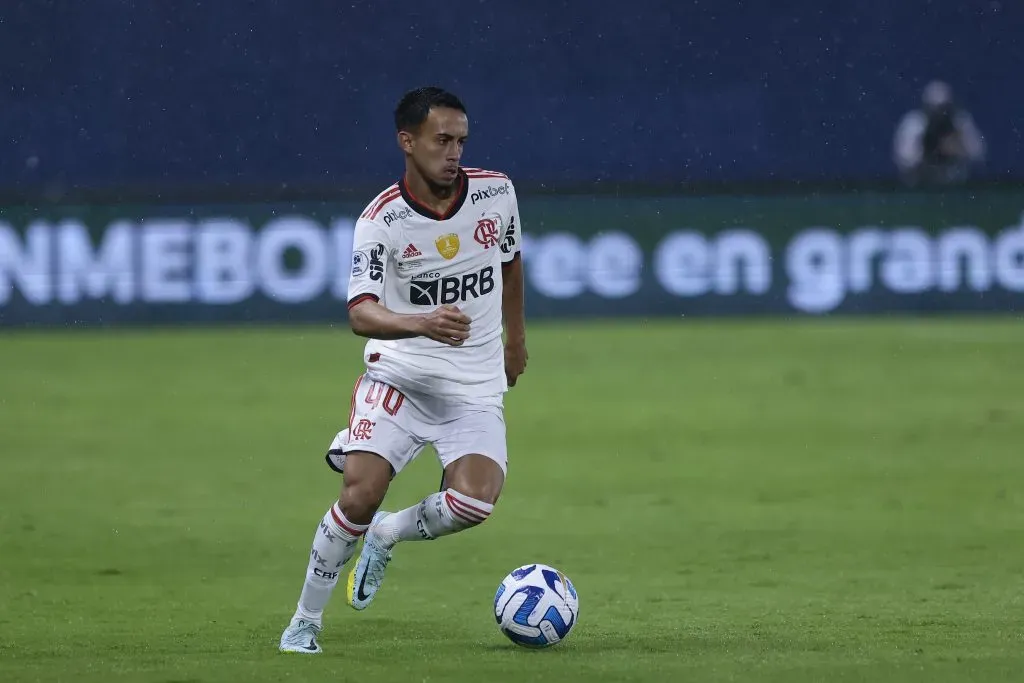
[422, 209]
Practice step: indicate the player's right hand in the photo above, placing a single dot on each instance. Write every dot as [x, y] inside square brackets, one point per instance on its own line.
[447, 325]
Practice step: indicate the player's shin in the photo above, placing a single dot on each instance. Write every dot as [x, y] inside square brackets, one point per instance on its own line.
[333, 545]
[439, 514]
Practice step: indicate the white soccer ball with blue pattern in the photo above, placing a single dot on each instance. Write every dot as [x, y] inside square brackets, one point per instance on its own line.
[536, 606]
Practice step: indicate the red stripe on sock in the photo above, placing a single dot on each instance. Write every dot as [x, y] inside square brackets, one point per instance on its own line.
[468, 520]
[458, 508]
[468, 507]
[340, 520]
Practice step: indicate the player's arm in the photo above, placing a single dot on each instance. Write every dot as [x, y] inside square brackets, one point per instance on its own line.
[513, 300]
[368, 317]
[513, 303]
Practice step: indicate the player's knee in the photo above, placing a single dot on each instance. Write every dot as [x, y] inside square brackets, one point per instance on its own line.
[367, 477]
[361, 497]
[359, 502]
[476, 477]
[480, 493]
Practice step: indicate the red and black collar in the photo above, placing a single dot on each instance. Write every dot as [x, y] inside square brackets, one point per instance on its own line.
[422, 209]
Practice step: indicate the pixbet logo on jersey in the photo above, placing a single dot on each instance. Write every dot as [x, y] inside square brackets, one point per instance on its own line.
[393, 215]
[488, 192]
[431, 290]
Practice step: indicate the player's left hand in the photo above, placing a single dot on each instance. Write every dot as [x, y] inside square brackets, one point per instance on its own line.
[515, 361]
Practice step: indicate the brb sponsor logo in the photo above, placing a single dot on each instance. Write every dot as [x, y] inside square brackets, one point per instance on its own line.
[429, 289]
[488, 192]
[396, 215]
[486, 233]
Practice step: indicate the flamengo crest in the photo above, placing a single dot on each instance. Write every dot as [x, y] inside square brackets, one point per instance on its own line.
[486, 233]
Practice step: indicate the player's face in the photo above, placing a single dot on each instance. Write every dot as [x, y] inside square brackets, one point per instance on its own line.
[436, 147]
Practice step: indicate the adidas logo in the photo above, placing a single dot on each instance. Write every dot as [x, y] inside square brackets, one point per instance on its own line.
[411, 251]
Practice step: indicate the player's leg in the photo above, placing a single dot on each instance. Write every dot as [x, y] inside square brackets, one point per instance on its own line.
[469, 490]
[367, 476]
[384, 445]
[475, 476]
[473, 453]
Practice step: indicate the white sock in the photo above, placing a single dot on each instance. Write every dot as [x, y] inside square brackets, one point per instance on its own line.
[439, 514]
[333, 546]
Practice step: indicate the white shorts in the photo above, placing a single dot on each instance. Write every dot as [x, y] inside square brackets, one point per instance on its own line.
[397, 426]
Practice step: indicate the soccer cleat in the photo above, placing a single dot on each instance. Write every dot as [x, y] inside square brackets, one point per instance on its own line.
[366, 577]
[300, 637]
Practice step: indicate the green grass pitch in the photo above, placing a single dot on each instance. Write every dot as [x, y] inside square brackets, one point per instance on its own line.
[735, 501]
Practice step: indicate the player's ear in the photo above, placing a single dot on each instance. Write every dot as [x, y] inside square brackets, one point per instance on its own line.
[405, 141]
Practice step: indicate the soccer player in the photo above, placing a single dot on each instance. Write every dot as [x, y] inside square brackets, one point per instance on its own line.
[436, 270]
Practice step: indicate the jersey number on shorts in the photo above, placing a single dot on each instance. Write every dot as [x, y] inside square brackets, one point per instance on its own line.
[388, 397]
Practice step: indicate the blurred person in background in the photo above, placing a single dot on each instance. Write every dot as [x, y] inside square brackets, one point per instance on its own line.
[937, 144]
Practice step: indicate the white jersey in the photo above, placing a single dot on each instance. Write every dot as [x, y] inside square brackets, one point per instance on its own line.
[413, 260]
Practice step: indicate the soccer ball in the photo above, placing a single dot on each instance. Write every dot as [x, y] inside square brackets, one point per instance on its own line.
[536, 606]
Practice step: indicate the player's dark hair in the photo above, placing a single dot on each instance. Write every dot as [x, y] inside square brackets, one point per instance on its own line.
[415, 105]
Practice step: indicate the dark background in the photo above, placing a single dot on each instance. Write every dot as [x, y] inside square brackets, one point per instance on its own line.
[115, 97]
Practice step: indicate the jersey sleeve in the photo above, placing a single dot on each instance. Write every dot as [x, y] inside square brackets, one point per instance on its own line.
[370, 251]
[512, 240]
